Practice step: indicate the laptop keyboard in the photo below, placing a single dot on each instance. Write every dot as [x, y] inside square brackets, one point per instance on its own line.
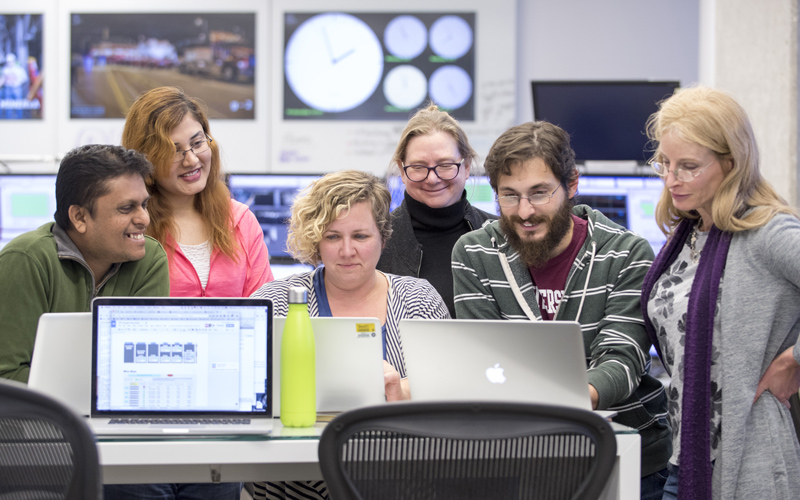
[181, 421]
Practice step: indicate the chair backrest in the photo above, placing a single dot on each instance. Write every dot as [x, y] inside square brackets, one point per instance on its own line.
[467, 450]
[46, 451]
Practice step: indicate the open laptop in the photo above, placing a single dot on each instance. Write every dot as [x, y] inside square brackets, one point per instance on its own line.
[524, 361]
[62, 359]
[349, 363]
[181, 366]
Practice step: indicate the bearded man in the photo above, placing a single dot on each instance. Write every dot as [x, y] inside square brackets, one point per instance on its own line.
[546, 259]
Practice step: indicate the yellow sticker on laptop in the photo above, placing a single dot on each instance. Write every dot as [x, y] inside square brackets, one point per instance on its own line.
[365, 327]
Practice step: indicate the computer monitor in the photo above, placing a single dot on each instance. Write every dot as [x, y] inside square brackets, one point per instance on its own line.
[479, 193]
[630, 201]
[605, 120]
[270, 197]
[404, 59]
[26, 202]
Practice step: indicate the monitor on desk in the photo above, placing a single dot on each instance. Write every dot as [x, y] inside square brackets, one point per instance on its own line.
[270, 198]
[26, 202]
[479, 192]
[630, 201]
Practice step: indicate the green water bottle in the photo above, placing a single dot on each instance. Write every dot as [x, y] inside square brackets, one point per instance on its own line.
[298, 364]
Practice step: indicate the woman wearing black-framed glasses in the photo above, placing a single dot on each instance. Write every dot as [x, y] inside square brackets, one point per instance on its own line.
[435, 160]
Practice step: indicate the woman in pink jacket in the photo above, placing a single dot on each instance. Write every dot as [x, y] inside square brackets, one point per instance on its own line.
[215, 244]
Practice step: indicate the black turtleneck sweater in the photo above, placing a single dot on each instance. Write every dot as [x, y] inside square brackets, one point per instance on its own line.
[437, 230]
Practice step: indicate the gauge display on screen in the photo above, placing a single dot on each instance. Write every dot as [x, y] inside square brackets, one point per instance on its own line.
[377, 66]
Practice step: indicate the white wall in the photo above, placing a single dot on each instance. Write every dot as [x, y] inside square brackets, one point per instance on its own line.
[605, 40]
[557, 39]
[755, 59]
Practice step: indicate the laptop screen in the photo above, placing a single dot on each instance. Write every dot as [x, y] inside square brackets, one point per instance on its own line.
[181, 356]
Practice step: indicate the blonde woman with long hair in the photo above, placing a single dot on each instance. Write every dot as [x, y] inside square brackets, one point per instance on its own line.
[722, 304]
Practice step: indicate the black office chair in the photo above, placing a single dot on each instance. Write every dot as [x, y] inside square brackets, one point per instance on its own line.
[46, 451]
[466, 450]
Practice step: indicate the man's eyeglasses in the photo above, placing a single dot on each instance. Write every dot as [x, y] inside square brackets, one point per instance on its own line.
[444, 171]
[199, 147]
[683, 174]
[513, 200]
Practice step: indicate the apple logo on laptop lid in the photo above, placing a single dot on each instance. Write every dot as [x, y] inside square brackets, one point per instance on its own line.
[495, 374]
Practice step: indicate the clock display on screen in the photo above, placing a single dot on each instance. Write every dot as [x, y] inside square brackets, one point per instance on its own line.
[405, 37]
[451, 37]
[377, 66]
[334, 62]
[405, 86]
[450, 87]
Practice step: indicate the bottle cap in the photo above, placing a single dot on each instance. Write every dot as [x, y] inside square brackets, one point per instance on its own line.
[298, 295]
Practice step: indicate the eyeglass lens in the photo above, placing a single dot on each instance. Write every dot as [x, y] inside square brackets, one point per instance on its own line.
[445, 171]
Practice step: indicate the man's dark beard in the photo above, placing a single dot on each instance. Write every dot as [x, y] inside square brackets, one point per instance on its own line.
[536, 253]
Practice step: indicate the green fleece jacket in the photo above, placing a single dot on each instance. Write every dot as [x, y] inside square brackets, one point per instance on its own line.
[43, 271]
[602, 293]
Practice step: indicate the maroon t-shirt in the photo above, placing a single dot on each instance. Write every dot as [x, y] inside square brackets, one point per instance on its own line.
[551, 278]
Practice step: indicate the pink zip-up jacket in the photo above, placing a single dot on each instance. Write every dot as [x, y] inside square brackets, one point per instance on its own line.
[226, 277]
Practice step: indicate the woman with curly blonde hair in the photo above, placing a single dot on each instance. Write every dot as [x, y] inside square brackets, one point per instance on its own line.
[342, 222]
[720, 303]
[215, 244]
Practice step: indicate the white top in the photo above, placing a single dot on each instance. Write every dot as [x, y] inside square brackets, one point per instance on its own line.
[200, 257]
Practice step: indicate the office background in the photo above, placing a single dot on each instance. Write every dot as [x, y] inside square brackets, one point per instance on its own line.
[748, 48]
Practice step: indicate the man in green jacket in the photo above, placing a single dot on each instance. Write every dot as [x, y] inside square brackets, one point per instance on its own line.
[96, 247]
[546, 259]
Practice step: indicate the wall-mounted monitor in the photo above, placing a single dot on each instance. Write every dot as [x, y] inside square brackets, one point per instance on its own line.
[26, 202]
[270, 198]
[377, 66]
[605, 120]
[21, 89]
[116, 57]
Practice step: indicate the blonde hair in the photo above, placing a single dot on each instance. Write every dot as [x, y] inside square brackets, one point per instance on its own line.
[151, 119]
[430, 120]
[713, 119]
[325, 200]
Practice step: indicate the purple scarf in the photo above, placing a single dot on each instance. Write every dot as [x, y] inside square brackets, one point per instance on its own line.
[694, 480]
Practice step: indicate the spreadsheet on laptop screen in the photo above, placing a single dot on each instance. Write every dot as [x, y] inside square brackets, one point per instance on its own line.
[182, 358]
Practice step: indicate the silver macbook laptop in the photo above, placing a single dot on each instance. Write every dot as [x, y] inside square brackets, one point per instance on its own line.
[173, 366]
[525, 361]
[61, 365]
[349, 363]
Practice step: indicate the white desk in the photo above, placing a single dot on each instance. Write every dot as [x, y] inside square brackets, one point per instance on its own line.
[282, 458]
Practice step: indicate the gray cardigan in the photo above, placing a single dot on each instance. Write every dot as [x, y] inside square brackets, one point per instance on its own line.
[760, 318]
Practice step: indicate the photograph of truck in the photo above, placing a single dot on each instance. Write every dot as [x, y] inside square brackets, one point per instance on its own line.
[116, 57]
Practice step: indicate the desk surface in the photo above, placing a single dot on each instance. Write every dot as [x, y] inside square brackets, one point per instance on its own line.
[287, 455]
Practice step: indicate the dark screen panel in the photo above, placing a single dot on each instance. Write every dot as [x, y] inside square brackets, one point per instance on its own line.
[605, 120]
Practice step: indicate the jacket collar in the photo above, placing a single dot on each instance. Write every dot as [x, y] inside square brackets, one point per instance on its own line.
[67, 250]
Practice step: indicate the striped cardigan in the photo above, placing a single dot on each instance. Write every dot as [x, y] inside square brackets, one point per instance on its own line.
[602, 293]
[409, 298]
